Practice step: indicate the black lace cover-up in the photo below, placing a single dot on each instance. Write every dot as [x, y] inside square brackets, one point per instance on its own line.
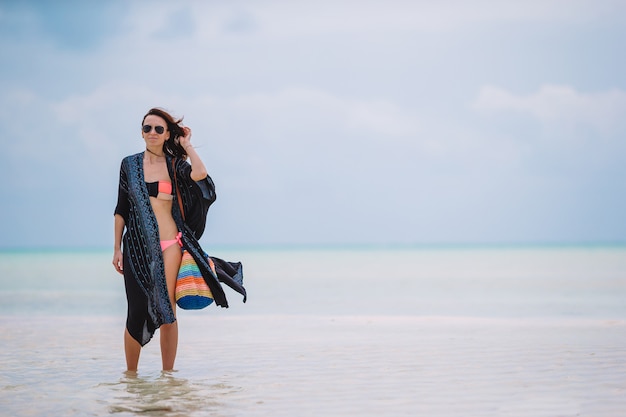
[144, 274]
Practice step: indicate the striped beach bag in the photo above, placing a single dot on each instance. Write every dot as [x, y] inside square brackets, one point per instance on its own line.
[192, 292]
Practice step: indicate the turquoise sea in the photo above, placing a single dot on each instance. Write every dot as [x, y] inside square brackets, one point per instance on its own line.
[433, 331]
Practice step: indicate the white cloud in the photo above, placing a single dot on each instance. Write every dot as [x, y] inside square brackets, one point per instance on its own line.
[338, 112]
[281, 18]
[256, 138]
[298, 107]
[286, 19]
[293, 109]
[383, 117]
[559, 105]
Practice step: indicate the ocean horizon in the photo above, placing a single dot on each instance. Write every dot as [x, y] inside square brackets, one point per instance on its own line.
[348, 246]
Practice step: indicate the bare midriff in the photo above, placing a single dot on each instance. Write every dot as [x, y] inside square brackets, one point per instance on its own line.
[163, 213]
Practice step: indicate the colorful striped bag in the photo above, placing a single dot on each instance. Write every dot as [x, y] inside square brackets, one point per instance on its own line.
[192, 292]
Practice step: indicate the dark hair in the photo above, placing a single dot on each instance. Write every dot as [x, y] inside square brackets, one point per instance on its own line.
[171, 146]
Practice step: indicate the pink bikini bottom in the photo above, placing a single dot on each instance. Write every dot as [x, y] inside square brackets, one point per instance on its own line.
[167, 243]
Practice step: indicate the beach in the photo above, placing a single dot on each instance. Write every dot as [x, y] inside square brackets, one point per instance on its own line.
[524, 332]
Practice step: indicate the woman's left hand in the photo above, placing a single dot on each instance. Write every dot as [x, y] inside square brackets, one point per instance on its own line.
[198, 170]
[185, 141]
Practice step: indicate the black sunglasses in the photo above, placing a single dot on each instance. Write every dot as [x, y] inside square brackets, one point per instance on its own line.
[148, 128]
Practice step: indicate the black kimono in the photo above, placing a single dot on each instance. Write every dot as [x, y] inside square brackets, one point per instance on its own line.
[144, 274]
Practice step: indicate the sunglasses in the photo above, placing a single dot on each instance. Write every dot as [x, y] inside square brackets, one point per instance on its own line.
[148, 128]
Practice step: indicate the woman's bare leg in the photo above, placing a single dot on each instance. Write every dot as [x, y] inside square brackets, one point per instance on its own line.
[169, 345]
[169, 332]
[132, 349]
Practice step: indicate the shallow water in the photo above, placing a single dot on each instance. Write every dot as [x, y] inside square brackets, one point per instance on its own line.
[367, 333]
[312, 365]
[530, 282]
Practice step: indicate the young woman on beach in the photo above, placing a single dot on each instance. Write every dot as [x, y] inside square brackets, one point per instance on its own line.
[153, 186]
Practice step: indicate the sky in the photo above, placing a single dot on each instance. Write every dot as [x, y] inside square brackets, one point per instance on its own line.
[328, 122]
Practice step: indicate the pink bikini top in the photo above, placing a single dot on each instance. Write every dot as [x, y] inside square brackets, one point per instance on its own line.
[160, 189]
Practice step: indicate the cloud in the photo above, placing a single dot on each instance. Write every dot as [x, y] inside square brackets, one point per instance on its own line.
[240, 22]
[275, 147]
[380, 118]
[324, 17]
[272, 134]
[560, 105]
[286, 111]
[325, 121]
[279, 19]
[179, 24]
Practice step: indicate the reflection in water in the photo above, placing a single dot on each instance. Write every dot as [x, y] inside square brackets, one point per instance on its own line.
[166, 395]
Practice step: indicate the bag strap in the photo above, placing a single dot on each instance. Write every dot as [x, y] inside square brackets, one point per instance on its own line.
[178, 195]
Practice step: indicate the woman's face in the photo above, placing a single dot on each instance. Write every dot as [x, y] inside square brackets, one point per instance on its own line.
[152, 137]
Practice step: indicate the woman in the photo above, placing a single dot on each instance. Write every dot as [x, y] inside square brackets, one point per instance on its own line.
[154, 186]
